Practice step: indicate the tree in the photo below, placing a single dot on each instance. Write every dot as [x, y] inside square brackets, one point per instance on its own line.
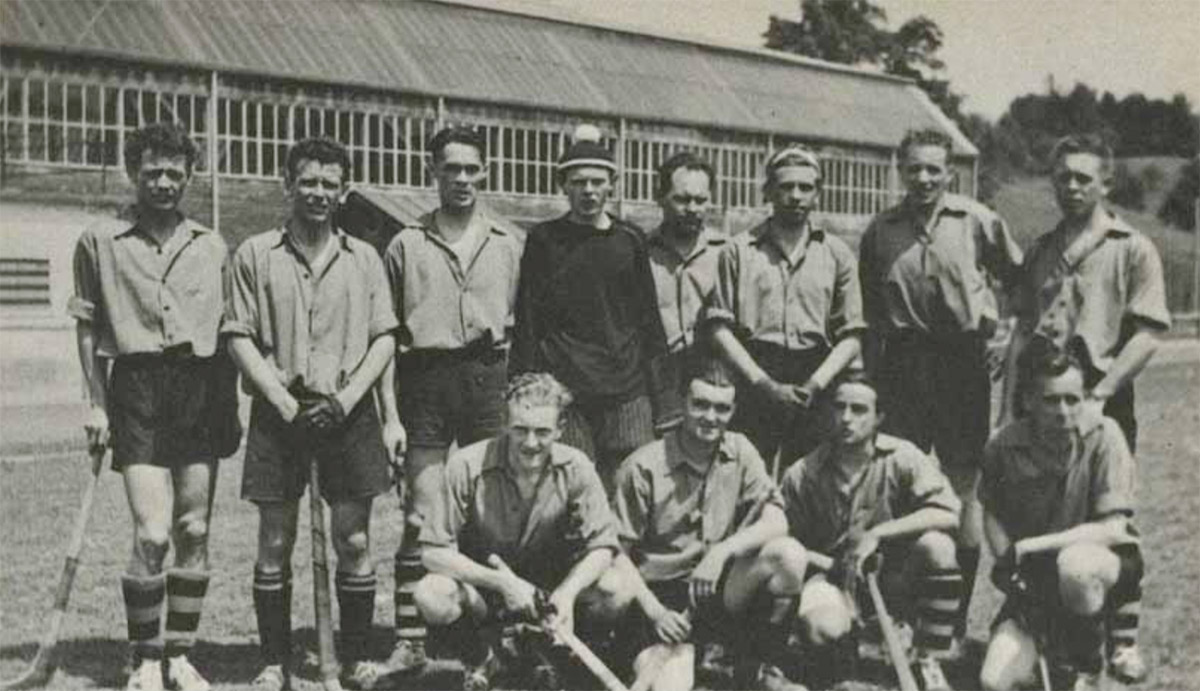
[1179, 208]
[1127, 189]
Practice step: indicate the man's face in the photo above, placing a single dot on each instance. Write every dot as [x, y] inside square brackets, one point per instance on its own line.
[1057, 401]
[315, 191]
[793, 192]
[926, 173]
[1079, 184]
[459, 171]
[708, 410]
[161, 180]
[531, 431]
[588, 189]
[855, 418]
[685, 204]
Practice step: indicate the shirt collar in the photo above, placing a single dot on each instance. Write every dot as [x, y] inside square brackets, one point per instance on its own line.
[707, 238]
[1023, 433]
[496, 455]
[763, 233]
[428, 223]
[676, 456]
[129, 215]
[342, 238]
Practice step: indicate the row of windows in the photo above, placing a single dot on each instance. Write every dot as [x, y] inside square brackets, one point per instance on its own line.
[72, 123]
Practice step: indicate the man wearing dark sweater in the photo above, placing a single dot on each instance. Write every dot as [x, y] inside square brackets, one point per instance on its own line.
[586, 312]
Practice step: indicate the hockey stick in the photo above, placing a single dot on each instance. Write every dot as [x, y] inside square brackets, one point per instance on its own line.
[891, 636]
[320, 566]
[43, 665]
[1021, 593]
[560, 634]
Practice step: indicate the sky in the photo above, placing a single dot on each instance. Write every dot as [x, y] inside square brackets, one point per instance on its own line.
[995, 50]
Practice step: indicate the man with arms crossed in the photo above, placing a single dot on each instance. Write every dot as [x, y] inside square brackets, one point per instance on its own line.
[787, 312]
[862, 493]
[586, 313]
[1094, 286]
[454, 283]
[522, 513]
[683, 256]
[1057, 492]
[148, 298]
[309, 320]
[704, 524]
[926, 265]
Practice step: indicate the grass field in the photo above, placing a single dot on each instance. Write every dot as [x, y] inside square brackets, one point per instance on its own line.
[38, 502]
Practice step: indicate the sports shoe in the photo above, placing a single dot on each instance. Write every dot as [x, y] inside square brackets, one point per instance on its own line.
[147, 676]
[928, 672]
[1127, 665]
[271, 678]
[361, 674]
[407, 657]
[182, 676]
[1089, 681]
[771, 678]
[479, 677]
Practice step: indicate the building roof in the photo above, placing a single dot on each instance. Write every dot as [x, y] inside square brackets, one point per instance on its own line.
[463, 50]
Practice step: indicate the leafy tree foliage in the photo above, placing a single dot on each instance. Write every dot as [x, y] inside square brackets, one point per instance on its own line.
[1179, 208]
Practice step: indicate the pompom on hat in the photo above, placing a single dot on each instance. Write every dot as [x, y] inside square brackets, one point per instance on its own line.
[586, 150]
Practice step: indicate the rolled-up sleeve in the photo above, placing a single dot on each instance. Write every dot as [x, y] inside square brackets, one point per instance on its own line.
[381, 314]
[1112, 474]
[846, 310]
[722, 304]
[1002, 255]
[927, 486]
[597, 527]
[631, 503]
[758, 490]
[1147, 288]
[443, 528]
[241, 296]
[85, 304]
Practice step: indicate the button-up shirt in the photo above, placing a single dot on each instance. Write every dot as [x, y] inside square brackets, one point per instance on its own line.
[683, 283]
[443, 302]
[670, 512]
[825, 509]
[315, 325]
[542, 538]
[142, 297]
[809, 300]
[934, 277]
[1034, 489]
[1111, 274]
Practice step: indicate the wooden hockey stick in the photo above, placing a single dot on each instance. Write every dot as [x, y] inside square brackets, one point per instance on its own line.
[320, 566]
[891, 636]
[44, 663]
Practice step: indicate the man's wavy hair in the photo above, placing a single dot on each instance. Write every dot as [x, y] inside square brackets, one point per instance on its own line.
[320, 149]
[164, 138]
[538, 389]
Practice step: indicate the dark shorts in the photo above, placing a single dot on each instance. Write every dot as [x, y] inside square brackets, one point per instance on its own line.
[609, 430]
[448, 396]
[158, 407]
[1071, 638]
[710, 621]
[353, 463]
[789, 433]
[936, 393]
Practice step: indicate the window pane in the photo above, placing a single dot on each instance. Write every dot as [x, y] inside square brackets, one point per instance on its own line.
[54, 101]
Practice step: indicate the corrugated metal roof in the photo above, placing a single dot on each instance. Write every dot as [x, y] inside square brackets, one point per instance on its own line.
[484, 54]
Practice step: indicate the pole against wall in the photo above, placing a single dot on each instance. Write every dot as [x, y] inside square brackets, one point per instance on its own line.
[213, 163]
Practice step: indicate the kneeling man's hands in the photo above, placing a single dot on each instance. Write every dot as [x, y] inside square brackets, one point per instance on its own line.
[520, 596]
[866, 545]
[563, 606]
[96, 428]
[707, 573]
[671, 626]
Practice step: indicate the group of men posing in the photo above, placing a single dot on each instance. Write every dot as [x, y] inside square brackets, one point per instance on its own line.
[623, 406]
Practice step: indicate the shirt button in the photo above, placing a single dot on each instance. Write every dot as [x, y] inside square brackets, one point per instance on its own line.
[166, 308]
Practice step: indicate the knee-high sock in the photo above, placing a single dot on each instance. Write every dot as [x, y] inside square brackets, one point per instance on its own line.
[356, 613]
[273, 609]
[409, 571]
[1124, 618]
[143, 612]
[938, 609]
[185, 599]
[968, 566]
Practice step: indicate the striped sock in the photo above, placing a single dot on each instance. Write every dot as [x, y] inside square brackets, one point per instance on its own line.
[143, 612]
[273, 609]
[968, 566]
[409, 571]
[1124, 619]
[185, 598]
[938, 594]
[356, 613]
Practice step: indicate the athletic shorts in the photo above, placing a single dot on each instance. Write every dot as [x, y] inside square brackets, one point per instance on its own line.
[936, 393]
[448, 396]
[790, 433]
[353, 463]
[710, 621]
[1077, 640]
[608, 431]
[158, 408]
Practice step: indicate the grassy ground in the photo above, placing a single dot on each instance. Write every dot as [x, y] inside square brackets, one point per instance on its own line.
[38, 502]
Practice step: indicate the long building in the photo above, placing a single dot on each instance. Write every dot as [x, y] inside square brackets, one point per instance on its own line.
[382, 76]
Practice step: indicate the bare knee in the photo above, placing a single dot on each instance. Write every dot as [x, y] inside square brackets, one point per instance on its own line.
[824, 615]
[937, 550]
[437, 599]
[150, 545]
[1085, 575]
[609, 597]
[785, 560]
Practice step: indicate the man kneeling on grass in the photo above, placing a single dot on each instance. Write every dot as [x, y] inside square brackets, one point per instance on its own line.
[862, 493]
[522, 515]
[704, 523]
[1057, 492]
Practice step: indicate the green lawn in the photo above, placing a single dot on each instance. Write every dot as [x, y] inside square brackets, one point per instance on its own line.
[38, 501]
